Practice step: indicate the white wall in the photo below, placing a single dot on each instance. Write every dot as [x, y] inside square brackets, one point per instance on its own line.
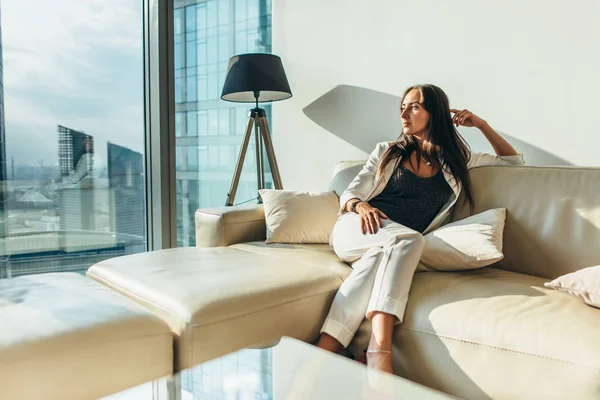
[530, 68]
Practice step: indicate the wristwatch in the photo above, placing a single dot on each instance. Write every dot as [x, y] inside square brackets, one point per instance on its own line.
[353, 205]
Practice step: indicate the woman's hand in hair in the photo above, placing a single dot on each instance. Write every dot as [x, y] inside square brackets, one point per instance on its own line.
[370, 217]
[466, 118]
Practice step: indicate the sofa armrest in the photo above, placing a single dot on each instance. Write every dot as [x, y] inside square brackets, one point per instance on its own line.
[224, 226]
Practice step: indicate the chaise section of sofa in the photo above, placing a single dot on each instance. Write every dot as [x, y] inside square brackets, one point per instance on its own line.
[219, 300]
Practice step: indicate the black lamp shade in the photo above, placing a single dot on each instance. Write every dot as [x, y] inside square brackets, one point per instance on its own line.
[248, 74]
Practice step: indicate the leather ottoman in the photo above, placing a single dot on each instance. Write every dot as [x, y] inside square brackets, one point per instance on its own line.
[64, 336]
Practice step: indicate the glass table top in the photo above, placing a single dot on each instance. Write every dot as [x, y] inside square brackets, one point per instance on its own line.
[290, 370]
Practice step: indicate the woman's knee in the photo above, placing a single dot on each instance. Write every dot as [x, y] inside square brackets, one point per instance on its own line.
[420, 239]
[415, 238]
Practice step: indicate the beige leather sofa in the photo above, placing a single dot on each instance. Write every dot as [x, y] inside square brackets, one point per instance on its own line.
[496, 332]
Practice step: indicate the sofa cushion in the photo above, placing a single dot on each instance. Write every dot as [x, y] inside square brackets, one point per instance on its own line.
[64, 336]
[316, 255]
[583, 284]
[473, 242]
[218, 300]
[299, 217]
[460, 327]
[343, 174]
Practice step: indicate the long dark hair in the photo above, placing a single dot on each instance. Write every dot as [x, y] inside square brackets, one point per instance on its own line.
[443, 136]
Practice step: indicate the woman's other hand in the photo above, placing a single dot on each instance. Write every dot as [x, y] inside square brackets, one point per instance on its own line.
[370, 217]
[466, 118]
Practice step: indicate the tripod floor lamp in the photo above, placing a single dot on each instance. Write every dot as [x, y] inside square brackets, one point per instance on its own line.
[254, 78]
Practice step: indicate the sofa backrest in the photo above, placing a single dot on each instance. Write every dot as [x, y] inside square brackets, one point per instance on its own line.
[343, 173]
[553, 214]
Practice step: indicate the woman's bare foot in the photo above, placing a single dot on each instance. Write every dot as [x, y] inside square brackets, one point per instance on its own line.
[380, 359]
[379, 353]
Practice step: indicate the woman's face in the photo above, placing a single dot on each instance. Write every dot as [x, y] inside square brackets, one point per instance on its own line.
[414, 117]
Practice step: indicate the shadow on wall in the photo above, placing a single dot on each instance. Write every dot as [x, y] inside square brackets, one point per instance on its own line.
[363, 117]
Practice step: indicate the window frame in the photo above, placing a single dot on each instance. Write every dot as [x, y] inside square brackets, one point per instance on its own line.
[159, 118]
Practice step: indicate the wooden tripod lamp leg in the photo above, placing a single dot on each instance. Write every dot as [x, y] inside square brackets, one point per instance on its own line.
[258, 148]
[240, 161]
[266, 136]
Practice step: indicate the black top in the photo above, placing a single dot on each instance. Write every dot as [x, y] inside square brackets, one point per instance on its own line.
[411, 200]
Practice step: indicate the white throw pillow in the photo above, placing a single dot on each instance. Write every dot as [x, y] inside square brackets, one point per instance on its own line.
[470, 243]
[583, 284]
[299, 217]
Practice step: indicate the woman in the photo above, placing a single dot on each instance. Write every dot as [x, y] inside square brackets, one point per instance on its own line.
[406, 189]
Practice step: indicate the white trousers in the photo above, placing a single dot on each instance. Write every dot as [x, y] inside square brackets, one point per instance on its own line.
[383, 267]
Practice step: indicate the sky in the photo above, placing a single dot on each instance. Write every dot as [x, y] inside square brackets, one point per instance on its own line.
[76, 63]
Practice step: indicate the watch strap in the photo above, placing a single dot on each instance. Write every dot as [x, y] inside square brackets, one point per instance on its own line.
[353, 205]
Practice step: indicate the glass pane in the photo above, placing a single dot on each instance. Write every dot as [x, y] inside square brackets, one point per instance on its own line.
[202, 123]
[201, 52]
[241, 120]
[201, 16]
[240, 10]
[211, 8]
[224, 12]
[224, 52]
[213, 48]
[203, 155]
[253, 8]
[177, 56]
[202, 88]
[72, 180]
[190, 54]
[213, 157]
[224, 121]
[178, 124]
[178, 90]
[192, 128]
[225, 156]
[223, 28]
[190, 19]
[213, 122]
[213, 86]
[192, 158]
[240, 42]
[180, 153]
[177, 25]
[192, 87]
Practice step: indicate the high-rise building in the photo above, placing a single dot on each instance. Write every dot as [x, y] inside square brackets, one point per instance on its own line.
[209, 130]
[3, 176]
[75, 154]
[76, 209]
[126, 184]
[77, 195]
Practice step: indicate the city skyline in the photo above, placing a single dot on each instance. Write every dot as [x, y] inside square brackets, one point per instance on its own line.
[81, 68]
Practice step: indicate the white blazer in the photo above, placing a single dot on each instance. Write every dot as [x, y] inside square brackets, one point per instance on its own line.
[367, 184]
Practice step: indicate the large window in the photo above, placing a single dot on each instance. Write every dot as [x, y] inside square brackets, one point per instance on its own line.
[72, 137]
[209, 130]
